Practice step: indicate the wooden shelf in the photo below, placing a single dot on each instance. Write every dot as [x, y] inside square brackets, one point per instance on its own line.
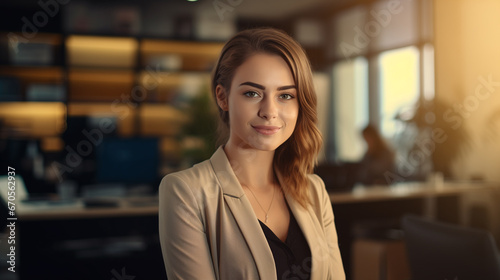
[181, 47]
[99, 85]
[33, 119]
[134, 80]
[101, 52]
[179, 55]
[45, 38]
[42, 50]
[164, 87]
[33, 75]
[161, 120]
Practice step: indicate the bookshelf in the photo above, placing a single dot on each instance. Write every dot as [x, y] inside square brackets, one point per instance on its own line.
[144, 83]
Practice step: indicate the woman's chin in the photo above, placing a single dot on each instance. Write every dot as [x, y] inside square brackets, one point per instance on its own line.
[266, 146]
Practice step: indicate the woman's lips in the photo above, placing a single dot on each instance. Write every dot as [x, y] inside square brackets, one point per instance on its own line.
[265, 129]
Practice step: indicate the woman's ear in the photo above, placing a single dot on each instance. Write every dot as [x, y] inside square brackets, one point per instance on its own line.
[220, 94]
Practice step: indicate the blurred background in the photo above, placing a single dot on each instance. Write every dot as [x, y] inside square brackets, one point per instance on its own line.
[100, 99]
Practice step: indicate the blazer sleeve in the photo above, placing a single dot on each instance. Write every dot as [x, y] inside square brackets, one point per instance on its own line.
[183, 240]
[336, 266]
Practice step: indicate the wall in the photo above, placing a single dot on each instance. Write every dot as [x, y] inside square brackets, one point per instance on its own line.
[467, 50]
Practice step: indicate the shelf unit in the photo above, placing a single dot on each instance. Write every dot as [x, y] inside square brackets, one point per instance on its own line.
[144, 83]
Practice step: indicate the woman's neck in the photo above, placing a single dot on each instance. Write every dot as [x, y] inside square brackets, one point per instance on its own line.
[252, 167]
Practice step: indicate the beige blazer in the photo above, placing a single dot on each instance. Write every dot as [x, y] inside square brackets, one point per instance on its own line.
[208, 229]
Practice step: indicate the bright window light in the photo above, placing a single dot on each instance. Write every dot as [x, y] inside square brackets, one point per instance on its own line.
[350, 86]
[399, 85]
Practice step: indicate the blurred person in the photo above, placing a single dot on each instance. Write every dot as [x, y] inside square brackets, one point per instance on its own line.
[379, 158]
[254, 210]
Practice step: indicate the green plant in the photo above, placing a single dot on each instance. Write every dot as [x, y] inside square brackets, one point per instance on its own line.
[199, 133]
[432, 117]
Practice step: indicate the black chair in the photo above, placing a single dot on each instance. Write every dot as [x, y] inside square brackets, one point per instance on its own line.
[442, 251]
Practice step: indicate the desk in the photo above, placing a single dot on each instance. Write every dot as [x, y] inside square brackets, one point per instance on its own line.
[44, 226]
[126, 207]
[134, 207]
[363, 205]
[408, 190]
[71, 241]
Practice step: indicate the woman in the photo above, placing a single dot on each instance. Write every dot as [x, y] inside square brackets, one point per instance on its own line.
[253, 211]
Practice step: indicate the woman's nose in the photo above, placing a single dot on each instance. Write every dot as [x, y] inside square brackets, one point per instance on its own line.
[268, 109]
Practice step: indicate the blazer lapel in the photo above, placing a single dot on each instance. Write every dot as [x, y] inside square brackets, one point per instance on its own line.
[310, 230]
[243, 213]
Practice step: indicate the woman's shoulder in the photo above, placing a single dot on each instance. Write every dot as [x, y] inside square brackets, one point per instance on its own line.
[196, 178]
[317, 188]
[191, 173]
[317, 184]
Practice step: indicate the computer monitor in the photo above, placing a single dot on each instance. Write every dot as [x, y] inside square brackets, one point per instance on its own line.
[127, 160]
[10, 89]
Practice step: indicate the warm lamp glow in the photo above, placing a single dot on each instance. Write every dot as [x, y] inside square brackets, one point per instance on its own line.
[33, 118]
[101, 51]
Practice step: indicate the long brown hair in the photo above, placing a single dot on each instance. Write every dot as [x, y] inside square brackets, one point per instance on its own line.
[297, 156]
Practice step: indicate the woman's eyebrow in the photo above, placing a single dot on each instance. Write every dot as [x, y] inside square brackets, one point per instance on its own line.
[287, 87]
[255, 85]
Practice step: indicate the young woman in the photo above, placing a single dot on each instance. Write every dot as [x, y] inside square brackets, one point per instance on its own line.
[253, 210]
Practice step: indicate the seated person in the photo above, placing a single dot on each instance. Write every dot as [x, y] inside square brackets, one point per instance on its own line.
[378, 161]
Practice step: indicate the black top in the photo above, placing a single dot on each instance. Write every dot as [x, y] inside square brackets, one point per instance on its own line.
[292, 257]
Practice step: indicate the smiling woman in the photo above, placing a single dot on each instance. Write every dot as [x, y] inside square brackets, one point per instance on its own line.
[263, 92]
[254, 210]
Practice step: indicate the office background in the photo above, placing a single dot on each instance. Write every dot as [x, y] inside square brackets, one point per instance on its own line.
[102, 99]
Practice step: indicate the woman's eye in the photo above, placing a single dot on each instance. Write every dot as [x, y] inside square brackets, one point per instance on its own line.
[286, 96]
[251, 94]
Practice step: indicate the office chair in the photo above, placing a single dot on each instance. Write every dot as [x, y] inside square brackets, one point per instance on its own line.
[443, 251]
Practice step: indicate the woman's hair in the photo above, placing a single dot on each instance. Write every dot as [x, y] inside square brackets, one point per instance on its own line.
[297, 156]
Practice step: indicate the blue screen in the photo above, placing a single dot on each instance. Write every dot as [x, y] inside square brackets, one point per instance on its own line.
[10, 89]
[127, 160]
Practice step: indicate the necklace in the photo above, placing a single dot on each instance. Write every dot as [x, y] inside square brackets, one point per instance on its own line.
[272, 199]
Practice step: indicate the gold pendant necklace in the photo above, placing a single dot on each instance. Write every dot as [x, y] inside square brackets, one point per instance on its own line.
[272, 199]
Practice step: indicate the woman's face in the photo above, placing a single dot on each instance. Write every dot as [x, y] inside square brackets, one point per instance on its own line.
[262, 103]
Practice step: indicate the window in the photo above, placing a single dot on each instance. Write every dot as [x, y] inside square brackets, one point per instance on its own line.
[399, 85]
[382, 63]
[350, 105]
